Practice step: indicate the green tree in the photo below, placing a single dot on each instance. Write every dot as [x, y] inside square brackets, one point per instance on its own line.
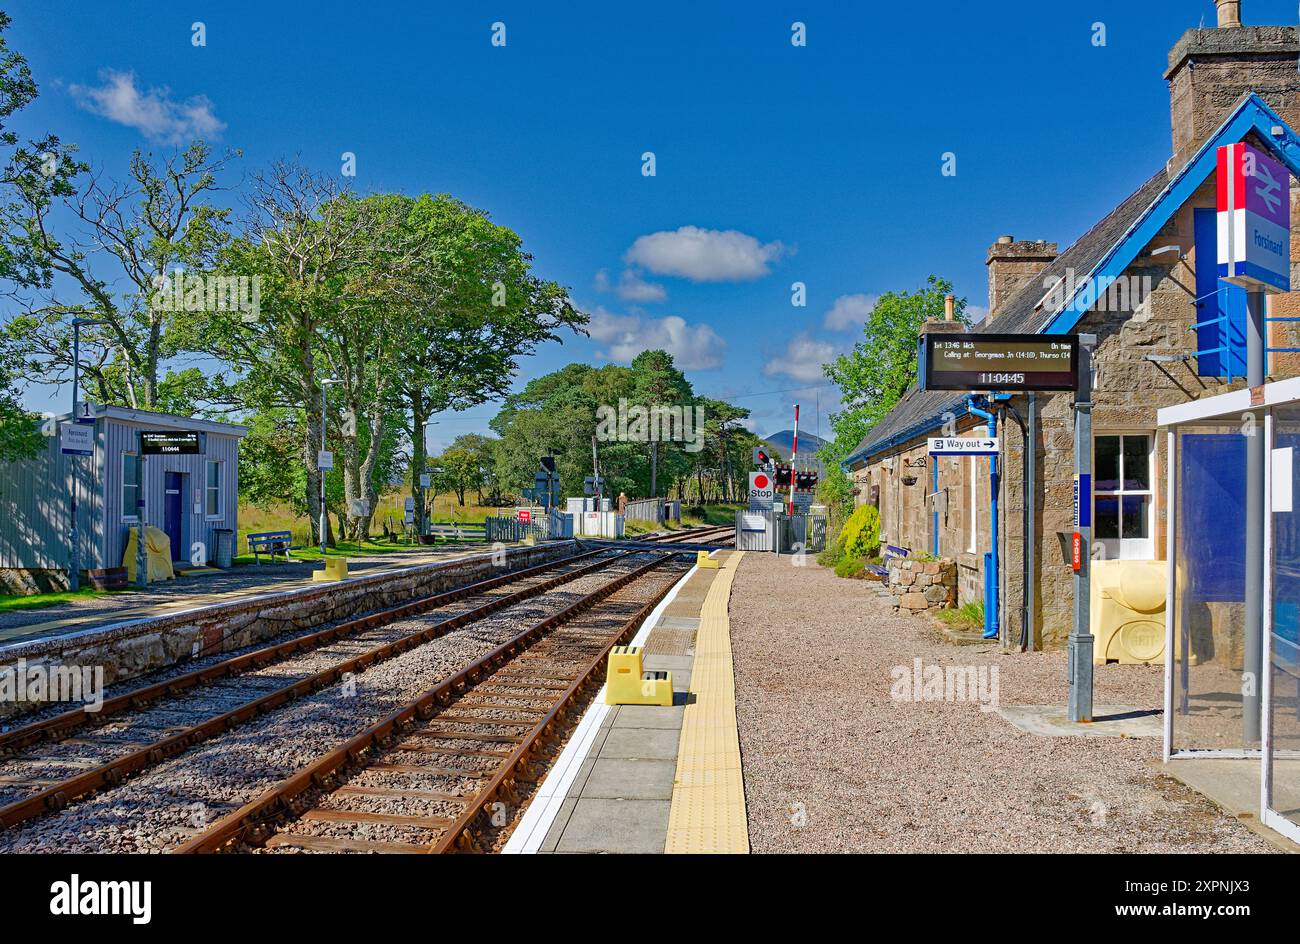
[660, 384]
[882, 366]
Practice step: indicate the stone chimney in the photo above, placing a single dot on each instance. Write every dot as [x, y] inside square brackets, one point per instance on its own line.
[1211, 69]
[1011, 264]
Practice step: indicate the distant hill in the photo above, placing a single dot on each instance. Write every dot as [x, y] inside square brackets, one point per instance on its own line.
[783, 442]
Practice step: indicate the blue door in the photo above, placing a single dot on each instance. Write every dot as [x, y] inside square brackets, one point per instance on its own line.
[173, 512]
[1224, 342]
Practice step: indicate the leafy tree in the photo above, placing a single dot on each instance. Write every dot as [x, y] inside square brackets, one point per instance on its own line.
[660, 384]
[461, 471]
[481, 450]
[882, 366]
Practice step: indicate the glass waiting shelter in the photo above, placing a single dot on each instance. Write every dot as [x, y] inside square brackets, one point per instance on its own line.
[1232, 690]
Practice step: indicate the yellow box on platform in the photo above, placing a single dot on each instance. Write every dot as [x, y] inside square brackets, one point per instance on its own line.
[336, 568]
[629, 684]
[702, 559]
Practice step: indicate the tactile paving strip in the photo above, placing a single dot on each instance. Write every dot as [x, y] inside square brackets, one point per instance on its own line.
[708, 806]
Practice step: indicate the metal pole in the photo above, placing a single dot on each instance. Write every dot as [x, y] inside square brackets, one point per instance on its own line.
[324, 523]
[794, 454]
[141, 553]
[1081, 642]
[1254, 624]
[74, 555]
[1031, 528]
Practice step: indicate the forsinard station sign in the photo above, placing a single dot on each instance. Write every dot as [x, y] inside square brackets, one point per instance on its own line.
[1005, 362]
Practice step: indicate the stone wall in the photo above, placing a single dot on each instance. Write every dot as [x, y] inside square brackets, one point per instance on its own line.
[133, 648]
[918, 585]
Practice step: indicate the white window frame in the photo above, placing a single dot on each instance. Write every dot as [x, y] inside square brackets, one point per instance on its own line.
[207, 488]
[133, 512]
[1123, 548]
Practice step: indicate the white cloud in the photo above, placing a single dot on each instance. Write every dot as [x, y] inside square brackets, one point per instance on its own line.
[154, 113]
[850, 310]
[693, 347]
[802, 360]
[631, 287]
[704, 255]
[976, 313]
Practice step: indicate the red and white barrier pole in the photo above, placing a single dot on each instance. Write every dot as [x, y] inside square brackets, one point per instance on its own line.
[794, 452]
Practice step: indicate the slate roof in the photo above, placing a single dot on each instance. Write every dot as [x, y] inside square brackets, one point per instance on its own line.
[922, 410]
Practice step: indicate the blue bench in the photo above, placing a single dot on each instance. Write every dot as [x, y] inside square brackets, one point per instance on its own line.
[271, 543]
[880, 570]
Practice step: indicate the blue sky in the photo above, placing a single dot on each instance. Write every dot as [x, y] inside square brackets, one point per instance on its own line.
[774, 164]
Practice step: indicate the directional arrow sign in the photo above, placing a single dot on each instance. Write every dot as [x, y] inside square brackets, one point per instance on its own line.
[963, 446]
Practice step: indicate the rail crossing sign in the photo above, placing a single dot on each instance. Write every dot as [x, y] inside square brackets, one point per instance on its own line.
[1009, 362]
[1254, 219]
[963, 446]
[762, 490]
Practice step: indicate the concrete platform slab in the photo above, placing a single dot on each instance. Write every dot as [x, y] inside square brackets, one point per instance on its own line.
[647, 716]
[1108, 721]
[631, 779]
[627, 826]
[640, 743]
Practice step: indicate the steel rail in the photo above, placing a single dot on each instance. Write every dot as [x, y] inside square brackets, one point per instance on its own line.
[57, 796]
[280, 798]
[459, 836]
[64, 723]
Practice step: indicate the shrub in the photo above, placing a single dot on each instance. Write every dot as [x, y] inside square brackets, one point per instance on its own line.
[848, 567]
[860, 536]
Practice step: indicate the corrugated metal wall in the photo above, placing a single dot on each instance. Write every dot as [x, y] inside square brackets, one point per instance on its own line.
[35, 499]
[35, 504]
[198, 527]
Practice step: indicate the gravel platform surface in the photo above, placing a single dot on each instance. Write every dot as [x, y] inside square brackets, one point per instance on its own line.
[834, 763]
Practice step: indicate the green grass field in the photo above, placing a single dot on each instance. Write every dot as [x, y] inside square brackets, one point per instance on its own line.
[11, 602]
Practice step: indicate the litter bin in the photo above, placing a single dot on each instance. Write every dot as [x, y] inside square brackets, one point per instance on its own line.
[224, 538]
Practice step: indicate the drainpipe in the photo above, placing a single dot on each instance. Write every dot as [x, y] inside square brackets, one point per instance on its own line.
[934, 492]
[991, 627]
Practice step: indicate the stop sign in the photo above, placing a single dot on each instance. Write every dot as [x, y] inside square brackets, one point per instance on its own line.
[761, 489]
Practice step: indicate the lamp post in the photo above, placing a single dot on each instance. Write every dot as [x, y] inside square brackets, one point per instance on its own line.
[424, 522]
[74, 557]
[324, 522]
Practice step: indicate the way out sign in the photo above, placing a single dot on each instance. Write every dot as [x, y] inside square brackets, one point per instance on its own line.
[762, 490]
[963, 446]
[1254, 219]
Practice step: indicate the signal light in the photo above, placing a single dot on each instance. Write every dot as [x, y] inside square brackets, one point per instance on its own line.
[782, 476]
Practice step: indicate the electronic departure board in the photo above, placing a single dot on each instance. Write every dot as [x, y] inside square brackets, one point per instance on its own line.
[1007, 362]
[170, 443]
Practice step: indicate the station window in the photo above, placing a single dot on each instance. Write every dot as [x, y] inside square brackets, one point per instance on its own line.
[1123, 496]
[212, 491]
[130, 485]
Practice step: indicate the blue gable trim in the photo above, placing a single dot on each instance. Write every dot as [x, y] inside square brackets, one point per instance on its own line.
[1252, 114]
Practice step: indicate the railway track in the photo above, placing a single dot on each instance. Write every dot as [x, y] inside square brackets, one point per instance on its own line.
[706, 534]
[449, 767]
[48, 764]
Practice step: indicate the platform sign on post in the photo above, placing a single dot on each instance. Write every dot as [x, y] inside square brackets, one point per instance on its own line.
[1254, 219]
[85, 412]
[762, 490]
[76, 439]
[1006, 362]
[963, 446]
[324, 460]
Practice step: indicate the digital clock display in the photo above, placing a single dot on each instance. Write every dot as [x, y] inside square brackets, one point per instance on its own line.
[1007, 362]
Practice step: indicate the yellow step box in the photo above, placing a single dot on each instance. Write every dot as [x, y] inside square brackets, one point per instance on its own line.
[336, 568]
[629, 684]
[703, 560]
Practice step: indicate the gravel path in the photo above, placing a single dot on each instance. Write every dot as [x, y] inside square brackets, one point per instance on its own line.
[833, 763]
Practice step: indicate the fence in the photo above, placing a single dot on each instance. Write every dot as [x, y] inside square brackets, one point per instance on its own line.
[768, 530]
[507, 530]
